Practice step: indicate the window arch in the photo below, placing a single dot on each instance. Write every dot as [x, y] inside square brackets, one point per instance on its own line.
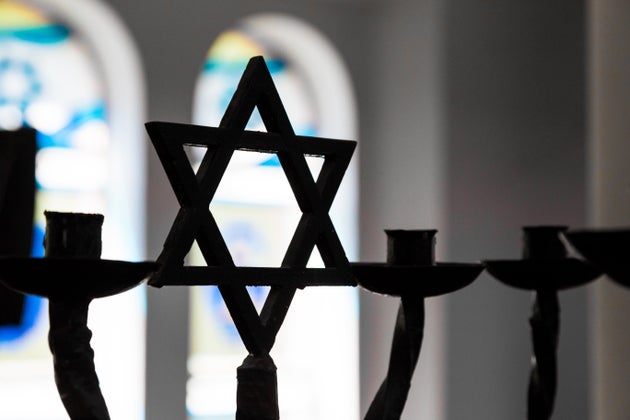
[71, 71]
[257, 223]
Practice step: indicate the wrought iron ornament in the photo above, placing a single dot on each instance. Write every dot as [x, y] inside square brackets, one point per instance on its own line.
[607, 249]
[544, 269]
[70, 276]
[412, 274]
[257, 384]
[72, 273]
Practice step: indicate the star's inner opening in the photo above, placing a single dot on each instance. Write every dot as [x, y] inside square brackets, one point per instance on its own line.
[194, 153]
[255, 209]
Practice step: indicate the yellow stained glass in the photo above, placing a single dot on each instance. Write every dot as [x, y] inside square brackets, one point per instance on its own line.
[234, 47]
[17, 16]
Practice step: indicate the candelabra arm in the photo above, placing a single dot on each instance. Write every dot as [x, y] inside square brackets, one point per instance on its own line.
[73, 358]
[545, 323]
[390, 399]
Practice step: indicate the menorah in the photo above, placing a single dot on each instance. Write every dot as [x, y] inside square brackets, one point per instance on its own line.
[73, 244]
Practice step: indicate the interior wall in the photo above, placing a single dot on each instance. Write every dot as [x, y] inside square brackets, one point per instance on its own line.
[609, 83]
[516, 133]
[401, 180]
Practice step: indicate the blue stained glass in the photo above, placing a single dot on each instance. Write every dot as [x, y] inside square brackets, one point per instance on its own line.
[220, 312]
[49, 34]
[272, 161]
[27, 71]
[62, 137]
[37, 250]
[32, 305]
[306, 130]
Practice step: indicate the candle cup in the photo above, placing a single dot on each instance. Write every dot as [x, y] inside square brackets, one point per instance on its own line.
[73, 235]
[411, 268]
[543, 243]
[411, 247]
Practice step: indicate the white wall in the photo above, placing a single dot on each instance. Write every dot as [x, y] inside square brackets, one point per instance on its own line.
[610, 205]
[515, 125]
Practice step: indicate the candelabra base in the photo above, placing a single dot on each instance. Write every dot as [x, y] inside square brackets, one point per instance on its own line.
[257, 390]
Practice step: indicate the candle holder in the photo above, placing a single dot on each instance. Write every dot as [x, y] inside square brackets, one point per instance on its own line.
[607, 249]
[70, 276]
[544, 269]
[411, 274]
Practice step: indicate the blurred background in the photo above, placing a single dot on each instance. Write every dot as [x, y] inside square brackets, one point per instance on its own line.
[472, 117]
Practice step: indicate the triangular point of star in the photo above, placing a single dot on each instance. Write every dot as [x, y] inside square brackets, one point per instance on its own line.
[256, 89]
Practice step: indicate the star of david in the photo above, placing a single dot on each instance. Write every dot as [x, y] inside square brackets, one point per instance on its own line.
[194, 221]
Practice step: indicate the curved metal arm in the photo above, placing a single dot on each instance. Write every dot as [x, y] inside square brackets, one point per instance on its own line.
[390, 399]
[545, 324]
[73, 358]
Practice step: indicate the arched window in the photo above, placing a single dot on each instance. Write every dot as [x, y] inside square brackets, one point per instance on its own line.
[257, 214]
[55, 77]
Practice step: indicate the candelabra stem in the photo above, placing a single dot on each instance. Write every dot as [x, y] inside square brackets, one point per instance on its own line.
[545, 325]
[390, 399]
[79, 236]
[73, 358]
[257, 390]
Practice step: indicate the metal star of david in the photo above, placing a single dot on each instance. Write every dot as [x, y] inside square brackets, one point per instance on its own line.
[195, 221]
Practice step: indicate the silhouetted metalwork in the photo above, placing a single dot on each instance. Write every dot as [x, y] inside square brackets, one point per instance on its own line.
[17, 199]
[257, 387]
[411, 274]
[545, 269]
[72, 272]
[70, 276]
[607, 249]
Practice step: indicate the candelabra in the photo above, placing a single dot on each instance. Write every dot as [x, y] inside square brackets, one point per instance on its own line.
[411, 274]
[72, 273]
[544, 269]
[70, 276]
